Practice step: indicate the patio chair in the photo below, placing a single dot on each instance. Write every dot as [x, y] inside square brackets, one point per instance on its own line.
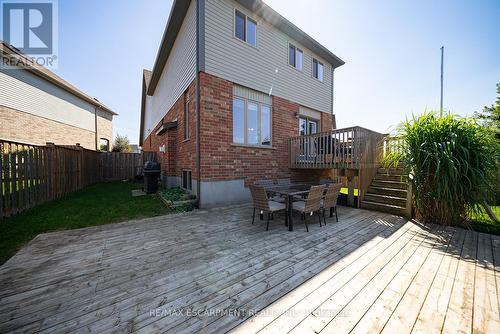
[284, 182]
[326, 181]
[263, 204]
[267, 183]
[311, 204]
[330, 200]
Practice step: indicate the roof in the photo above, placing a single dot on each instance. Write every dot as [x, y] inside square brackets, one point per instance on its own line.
[175, 19]
[50, 76]
[269, 15]
[146, 79]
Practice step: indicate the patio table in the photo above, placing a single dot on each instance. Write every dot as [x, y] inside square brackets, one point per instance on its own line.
[290, 191]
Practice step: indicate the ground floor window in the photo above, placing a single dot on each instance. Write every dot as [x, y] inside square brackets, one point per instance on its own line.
[186, 180]
[251, 122]
[308, 126]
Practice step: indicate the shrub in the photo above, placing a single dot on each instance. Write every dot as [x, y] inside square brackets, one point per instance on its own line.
[121, 144]
[452, 163]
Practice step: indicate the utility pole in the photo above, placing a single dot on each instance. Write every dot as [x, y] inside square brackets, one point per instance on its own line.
[442, 61]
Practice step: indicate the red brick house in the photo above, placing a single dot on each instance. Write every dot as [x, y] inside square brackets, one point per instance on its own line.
[232, 82]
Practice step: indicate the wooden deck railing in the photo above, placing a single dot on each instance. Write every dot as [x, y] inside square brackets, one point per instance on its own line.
[348, 148]
[393, 144]
[355, 148]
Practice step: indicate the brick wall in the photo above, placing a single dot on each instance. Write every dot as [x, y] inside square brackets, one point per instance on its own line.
[27, 128]
[105, 127]
[180, 153]
[221, 160]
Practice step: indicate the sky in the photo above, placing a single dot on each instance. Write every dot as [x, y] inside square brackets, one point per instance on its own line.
[391, 49]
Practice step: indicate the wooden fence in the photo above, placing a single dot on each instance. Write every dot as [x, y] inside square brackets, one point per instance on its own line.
[31, 174]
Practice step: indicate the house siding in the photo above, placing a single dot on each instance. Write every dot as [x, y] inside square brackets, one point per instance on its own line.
[36, 111]
[231, 59]
[177, 75]
[23, 90]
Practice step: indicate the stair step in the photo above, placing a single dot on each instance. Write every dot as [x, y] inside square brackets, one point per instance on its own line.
[392, 177]
[389, 184]
[385, 199]
[399, 170]
[394, 209]
[396, 192]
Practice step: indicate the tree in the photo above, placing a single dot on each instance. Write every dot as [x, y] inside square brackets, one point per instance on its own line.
[121, 144]
[490, 116]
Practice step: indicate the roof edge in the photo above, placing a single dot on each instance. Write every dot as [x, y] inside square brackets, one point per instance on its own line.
[146, 77]
[274, 18]
[53, 78]
[174, 23]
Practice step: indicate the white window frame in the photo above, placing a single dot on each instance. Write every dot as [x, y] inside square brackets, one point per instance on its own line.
[309, 120]
[317, 70]
[189, 184]
[259, 131]
[247, 18]
[296, 48]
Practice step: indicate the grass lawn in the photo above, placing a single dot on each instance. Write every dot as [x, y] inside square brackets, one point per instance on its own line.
[103, 203]
[483, 223]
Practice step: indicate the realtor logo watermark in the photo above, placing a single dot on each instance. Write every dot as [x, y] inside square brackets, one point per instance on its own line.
[31, 27]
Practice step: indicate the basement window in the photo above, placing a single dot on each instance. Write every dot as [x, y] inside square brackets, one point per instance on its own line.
[186, 180]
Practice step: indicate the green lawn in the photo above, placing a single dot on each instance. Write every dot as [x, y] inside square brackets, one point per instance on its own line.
[99, 204]
[483, 223]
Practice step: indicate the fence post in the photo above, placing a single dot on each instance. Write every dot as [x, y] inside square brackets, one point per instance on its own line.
[52, 169]
[80, 166]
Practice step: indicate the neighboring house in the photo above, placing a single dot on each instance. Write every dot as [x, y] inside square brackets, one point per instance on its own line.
[134, 148]
[232, 82]
[37, 106]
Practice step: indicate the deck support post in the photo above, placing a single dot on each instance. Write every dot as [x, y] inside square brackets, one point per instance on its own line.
[350, 191]
[409, 201]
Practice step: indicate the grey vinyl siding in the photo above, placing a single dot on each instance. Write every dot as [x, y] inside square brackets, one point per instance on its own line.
[252, 95]
[24, 91]
[177, 75]
[255, 67]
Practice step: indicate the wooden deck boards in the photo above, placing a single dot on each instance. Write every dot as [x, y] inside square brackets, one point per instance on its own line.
[211, 271]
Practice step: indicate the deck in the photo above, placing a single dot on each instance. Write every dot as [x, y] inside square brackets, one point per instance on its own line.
[212, 271]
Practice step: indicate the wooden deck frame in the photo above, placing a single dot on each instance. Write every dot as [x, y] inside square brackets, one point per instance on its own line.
[373, 271]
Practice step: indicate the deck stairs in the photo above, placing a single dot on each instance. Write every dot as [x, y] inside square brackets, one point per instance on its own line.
[387, 192]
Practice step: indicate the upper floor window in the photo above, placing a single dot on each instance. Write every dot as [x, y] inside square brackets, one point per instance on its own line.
[295, 56]
[245, 28]
[104, 144]
[317, 70]
[251, 122]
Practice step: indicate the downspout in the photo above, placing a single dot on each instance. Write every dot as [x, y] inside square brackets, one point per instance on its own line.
[198, 116]
[334, 120]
